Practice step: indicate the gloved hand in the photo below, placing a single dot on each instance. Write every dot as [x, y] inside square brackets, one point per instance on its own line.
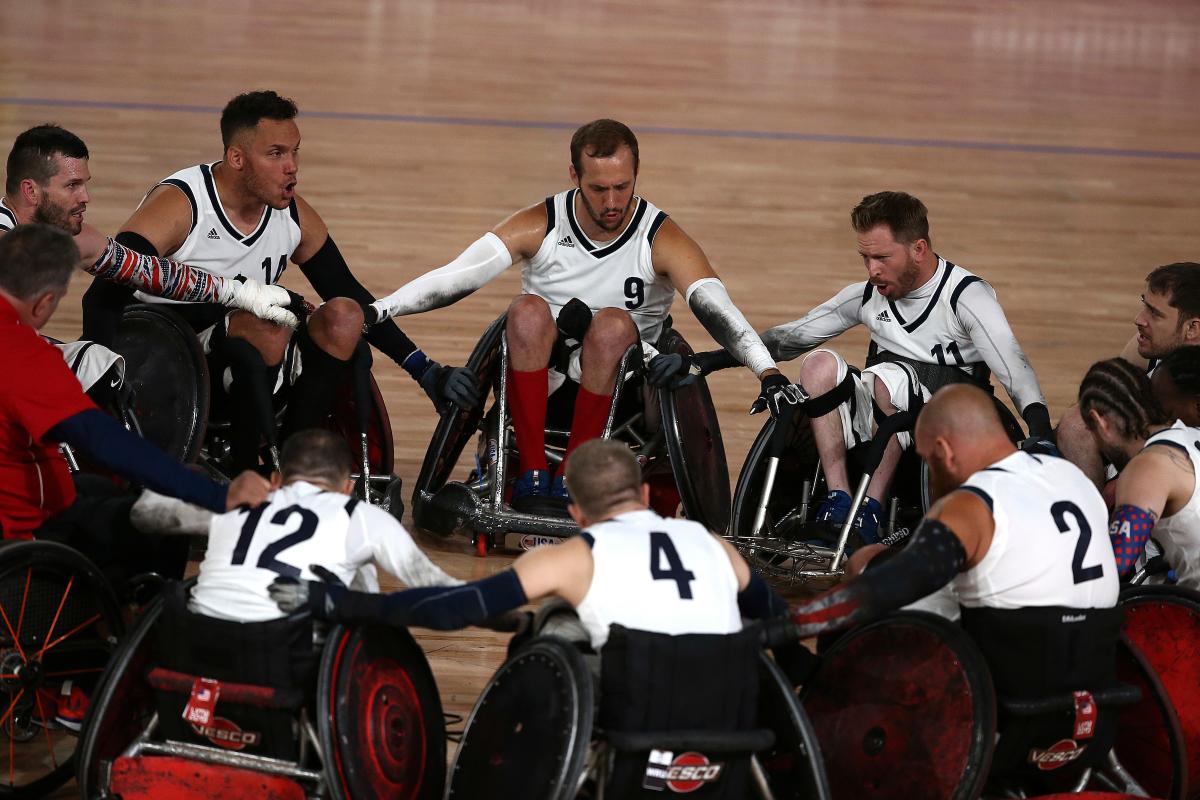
[445, 384]
[671, 370]
[290, 594]
[1039, 446]
[263, 301]
[777, 392]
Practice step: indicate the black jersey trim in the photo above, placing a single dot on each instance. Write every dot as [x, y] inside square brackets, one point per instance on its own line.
[1152, 365]
[994, 469]
[211, 187]
[550, 215]
[587, 537]
[937, 293]
[1168, 443]
[981, 494]
[294, 210]
[79, 357]
[896, 311]
[659, 219]
[958, 290]
[6, 211]
[191, 198]
[867, 293]
[351, 504]
[611, 247]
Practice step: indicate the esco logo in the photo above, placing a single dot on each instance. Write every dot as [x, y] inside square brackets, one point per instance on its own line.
[1062, 752]
[689, 771]
[225, 733]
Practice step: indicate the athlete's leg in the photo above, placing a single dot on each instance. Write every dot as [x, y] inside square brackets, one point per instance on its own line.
[530, 332]
[326, 347]
[611, 333]
[1078, 446]
[818, 375]
[245, 336]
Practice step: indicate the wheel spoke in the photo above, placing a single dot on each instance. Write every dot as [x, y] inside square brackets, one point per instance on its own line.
[11, 732]
[67, 672]
[66, 635]
[16, 639]
[58, 611]
[46, 727]
[24, 597]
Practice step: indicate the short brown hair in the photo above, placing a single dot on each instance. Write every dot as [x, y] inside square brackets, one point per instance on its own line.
[600, 139]
[315, 453]
[905, 216]
[1181, 283]
[602, 474]
[35, 259]
[33, 152]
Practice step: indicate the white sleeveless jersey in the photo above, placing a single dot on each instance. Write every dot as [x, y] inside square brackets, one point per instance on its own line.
[923, 325]
[1050, 546]
[1179, 534]
[8, 220]
[615, 274]
[213, 243]
[302, 524]
[662, 575]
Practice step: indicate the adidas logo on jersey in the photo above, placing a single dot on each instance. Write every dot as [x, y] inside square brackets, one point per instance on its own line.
[883, 316]
[566, 241]
[212, 234]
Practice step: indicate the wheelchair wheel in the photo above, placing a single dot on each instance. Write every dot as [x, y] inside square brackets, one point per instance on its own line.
[794, 766]
[344, 422]
[799, 463]
[121, 706]
[456, 426]
[380, 718]
[1162, 623]
[167, 371]
[694, 444]
[527, 736]
[59, 621]
[904, 708]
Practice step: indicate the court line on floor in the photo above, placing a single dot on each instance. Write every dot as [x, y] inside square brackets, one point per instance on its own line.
[778, 136]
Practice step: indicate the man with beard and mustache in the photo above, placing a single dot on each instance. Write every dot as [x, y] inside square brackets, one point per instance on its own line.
[1156, 490]
[241, 218]
[46, 182]
[599, 259]
[931, 322]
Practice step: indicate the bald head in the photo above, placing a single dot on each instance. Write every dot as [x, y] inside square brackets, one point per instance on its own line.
[960, 433]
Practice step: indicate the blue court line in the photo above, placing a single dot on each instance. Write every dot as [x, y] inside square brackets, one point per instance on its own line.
[776, 136]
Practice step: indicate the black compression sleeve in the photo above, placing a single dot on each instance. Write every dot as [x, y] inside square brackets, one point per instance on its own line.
[931, 560]
[329, 274]
[99, 437]
[760, 601]
[104, 301]
[713, 360]
[1037, 419]
[439, 607]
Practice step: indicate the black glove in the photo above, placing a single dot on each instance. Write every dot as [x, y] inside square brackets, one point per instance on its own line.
[1039, 446]
[1037, 420]
[446, 384]
[370, 316]
[671, 370]
[777, 391]
[574, 319]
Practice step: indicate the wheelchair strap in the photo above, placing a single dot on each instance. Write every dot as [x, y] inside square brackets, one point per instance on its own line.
[822, 404]
[935, 376]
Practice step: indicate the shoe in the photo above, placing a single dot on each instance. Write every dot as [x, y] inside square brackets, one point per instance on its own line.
[868, 519]
[835, 508]
[72, 707]
[558, 490]
[530, 490]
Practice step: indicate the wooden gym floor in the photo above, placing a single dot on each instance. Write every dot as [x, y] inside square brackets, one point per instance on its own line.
[1055, 145]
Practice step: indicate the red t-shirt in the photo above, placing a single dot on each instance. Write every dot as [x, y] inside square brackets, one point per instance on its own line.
[37, 391]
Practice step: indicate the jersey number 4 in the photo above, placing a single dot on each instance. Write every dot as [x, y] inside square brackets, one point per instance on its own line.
[267, 559]
[1060, 511]
[662, 549]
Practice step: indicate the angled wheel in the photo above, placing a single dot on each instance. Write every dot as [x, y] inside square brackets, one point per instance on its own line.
[168, 373]
[794, 765]
[59, 621]
[380, 717]
[694, 443]
[904, 708]
[527, 737]
[798, 463]
[457, 426]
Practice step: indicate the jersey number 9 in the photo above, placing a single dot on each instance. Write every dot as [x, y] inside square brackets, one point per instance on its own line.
[635, 290]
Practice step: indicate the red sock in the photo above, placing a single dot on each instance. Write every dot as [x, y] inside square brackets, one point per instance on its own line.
[527, 393]
[591, 412]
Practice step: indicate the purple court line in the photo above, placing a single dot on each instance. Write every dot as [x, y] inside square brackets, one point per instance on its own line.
[778, 136]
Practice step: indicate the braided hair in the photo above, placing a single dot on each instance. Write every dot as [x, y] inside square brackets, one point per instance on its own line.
[1183, 365]
[1121, 393]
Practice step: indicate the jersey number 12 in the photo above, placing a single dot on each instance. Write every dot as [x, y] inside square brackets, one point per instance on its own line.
[267, 560]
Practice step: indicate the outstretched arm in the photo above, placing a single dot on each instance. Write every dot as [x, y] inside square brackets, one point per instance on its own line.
[835, 316]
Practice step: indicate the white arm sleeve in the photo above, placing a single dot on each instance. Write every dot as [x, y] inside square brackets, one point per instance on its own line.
[721, 318]
[486, 258]
[376, 536]
[836, 315]
[984, 319]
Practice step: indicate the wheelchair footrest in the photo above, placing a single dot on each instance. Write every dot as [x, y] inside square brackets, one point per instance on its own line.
[707, 741]
[243, 694]
[152, 777]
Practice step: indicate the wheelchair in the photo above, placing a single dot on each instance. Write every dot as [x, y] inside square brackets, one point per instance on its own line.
[905, 707]
[675, 435]
[59, 621]
[547, 728]
[770, 522]
[169, 375]
[357, 717]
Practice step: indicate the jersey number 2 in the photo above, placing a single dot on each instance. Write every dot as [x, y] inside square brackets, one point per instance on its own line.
[661, 548]
[267, 560]
[1059, 511]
